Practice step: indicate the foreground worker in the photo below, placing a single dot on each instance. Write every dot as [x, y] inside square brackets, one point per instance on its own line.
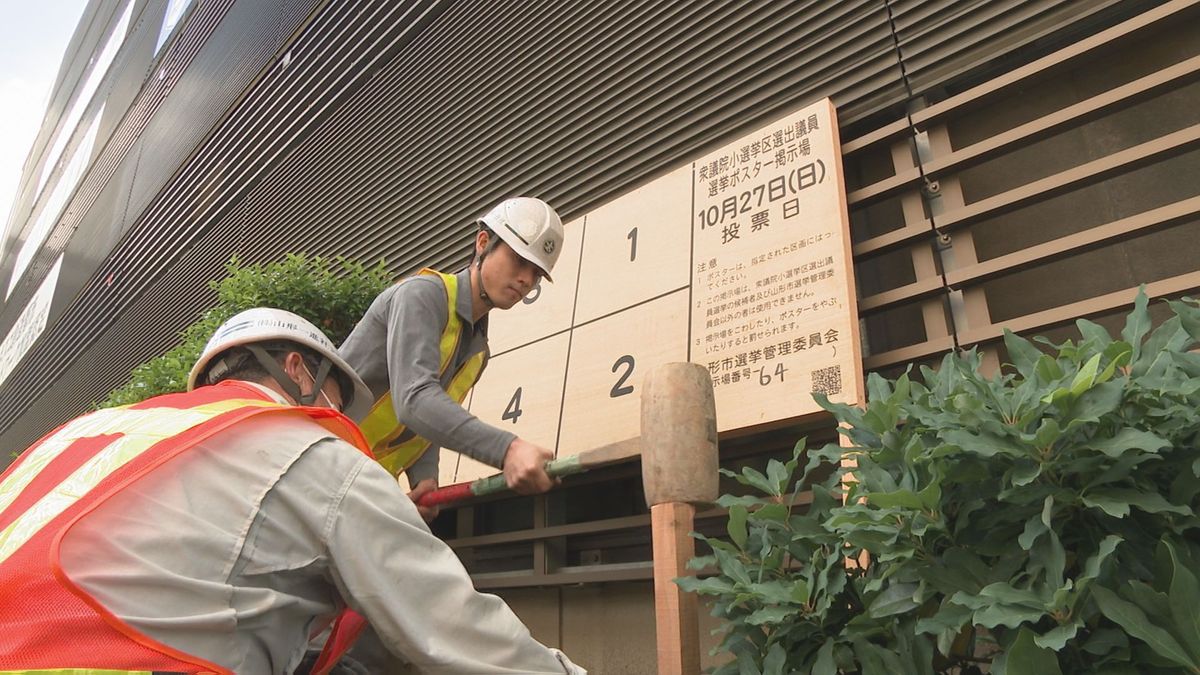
[216, 530]
[423, 344]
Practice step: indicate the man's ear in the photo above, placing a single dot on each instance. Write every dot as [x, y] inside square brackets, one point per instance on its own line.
[481, 242]
[293, 365]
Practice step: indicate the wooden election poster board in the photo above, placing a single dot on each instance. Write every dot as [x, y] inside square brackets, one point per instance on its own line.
[739, 261]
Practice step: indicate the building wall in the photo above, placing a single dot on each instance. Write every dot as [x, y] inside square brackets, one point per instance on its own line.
[1007, 164]
[380, 129]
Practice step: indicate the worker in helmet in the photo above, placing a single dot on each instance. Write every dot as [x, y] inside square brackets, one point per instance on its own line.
[216, 530]
[423, 344]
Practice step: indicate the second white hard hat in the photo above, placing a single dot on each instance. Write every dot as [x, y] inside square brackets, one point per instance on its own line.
[531, 228]
[265, 324]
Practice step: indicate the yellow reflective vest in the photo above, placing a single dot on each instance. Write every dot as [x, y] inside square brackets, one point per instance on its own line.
[396, 446]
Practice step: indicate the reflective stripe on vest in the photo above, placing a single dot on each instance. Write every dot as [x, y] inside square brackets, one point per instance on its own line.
[58, 482]
[395, 446]
[88, 671]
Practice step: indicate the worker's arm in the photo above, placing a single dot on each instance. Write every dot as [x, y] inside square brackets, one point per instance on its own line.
[416, 318]
[416, 594]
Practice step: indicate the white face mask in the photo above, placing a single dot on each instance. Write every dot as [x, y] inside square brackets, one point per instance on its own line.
[328, 403]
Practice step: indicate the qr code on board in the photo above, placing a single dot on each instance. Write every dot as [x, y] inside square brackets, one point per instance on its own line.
[827, 381]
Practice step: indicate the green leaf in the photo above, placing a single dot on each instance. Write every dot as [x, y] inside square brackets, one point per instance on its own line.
[1151, 601]
[730, 565]
[1096, 402]
[800, 591]
[1056, 638]
[1129, 439]
[1158, 347]
[1005, 592]
[771, 615]
[1137, 323]
[1006, 615]
[1187, 362]
[737, 525]
[1094, 332]
[1048, 369]
[1048, 433]
[984, 445]
[776, 659]
[1051, 556]
[778, 475]
[729, 501]
[895, 599]
[879, 388]
[776, 592]
[1117, 508]
[1091, 569]
[871, 658]
[931, 495]
[1184, 599]
[1118, 360]
[709, 586]
[824, 664]
[1034, 528]
[1189, 317]
[1116, 502]
[1026, 658]
[773, 512]
[1022, 352]
[900, 499]
[1086, 376]
[752, 477]
[1025, 472]
[1135, 622]
[746, 664]
[1105, 640]
[1056, 395]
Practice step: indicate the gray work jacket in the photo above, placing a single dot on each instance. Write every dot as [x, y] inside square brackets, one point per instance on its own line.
[396, 346]
[250, 542]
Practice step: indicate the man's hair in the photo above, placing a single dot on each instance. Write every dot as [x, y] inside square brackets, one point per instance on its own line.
[242, 365]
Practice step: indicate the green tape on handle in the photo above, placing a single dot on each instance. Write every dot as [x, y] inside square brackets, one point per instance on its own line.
[555, 469]
[565, 466]
[488, 486]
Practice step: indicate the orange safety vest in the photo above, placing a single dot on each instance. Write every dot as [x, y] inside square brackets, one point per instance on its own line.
[50, 624]
[396, 446]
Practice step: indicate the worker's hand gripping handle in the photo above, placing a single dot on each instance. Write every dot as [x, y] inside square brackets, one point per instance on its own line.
[452, 494]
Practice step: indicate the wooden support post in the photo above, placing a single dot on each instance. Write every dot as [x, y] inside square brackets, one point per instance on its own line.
[676, 613]
[679, 470]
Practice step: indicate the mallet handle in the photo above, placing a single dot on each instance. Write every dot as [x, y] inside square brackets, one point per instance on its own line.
[558, 468]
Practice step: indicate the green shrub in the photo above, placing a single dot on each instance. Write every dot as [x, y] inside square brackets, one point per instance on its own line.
[333, 294]
[1041, 521]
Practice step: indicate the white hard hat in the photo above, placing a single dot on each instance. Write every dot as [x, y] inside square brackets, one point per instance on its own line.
[531, 228]
[266, 324]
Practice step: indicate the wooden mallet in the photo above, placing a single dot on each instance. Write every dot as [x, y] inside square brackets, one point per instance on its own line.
[678, 444]
[679, 471]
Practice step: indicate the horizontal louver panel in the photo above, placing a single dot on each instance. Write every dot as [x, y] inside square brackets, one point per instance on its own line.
[942, 39]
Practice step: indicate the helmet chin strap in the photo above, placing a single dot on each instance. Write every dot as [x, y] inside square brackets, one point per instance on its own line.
[290, 386]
